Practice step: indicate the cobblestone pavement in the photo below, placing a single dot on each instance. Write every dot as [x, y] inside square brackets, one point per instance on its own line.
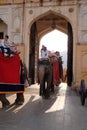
[63, 111]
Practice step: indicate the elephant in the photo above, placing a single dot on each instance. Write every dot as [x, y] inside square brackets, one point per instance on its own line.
[45, 78]
[19, 96]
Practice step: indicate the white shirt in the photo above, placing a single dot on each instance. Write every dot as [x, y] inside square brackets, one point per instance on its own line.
[8, 45]
[4, 44]
[44, 54]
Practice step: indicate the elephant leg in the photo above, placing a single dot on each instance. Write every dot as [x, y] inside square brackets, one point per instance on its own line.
[44, 89]
[52, 85]
[41, 80]
[49, 80]
[5, 102]
[19, 99]
[48, 88]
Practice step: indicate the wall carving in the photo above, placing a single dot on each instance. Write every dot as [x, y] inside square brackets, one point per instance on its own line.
[84, 60]
[3, 10]
[4, 18]
[17, 23]
[84, 37]
[16, 38]
[83, 24]
[84, 19]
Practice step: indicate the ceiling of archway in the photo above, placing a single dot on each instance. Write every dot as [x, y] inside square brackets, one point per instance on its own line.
[51, 22]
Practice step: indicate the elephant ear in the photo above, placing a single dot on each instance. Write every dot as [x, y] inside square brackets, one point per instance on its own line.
[24, 74]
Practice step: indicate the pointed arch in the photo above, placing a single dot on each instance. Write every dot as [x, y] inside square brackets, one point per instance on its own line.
[63, 24]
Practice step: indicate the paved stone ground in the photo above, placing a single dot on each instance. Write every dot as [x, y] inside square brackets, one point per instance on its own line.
[63, 111]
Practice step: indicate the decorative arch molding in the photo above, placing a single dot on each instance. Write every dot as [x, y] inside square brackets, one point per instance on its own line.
[4, 18]
[58, 14]
[44, 32]
[17, 24]
[84, 61]
[47, 30]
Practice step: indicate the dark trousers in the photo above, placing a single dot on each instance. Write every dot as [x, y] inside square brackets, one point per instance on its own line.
[9, 51]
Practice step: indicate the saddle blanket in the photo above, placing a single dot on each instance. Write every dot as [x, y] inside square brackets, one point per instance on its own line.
[10, 73]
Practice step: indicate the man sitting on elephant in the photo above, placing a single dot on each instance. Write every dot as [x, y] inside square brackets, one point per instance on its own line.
[45, 73]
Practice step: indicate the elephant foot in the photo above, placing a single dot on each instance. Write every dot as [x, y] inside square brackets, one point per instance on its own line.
[19, 102]
[6, 105]
[4, 101]
[46, 95]
[19, 99]
[52, 90]
[41, 93]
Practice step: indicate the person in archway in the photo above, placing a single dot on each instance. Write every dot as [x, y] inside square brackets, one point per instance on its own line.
[57, 68]
[44, 53]
[60, 62]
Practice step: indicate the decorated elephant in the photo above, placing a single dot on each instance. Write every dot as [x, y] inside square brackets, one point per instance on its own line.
[20, 77]
[49, 73]
[45, 77]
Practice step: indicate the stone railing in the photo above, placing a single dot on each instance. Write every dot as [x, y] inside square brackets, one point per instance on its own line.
[3, 2]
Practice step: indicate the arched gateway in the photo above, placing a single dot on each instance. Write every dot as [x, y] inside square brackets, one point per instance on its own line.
[41, 26]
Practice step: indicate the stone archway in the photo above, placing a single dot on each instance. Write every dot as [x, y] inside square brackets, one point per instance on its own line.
[39, 28]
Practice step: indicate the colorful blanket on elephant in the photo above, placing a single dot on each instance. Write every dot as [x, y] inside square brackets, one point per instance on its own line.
[10, 74]
[10, 69]
[56, 75]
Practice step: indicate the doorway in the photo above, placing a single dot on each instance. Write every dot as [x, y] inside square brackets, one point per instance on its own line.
[39, 28]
